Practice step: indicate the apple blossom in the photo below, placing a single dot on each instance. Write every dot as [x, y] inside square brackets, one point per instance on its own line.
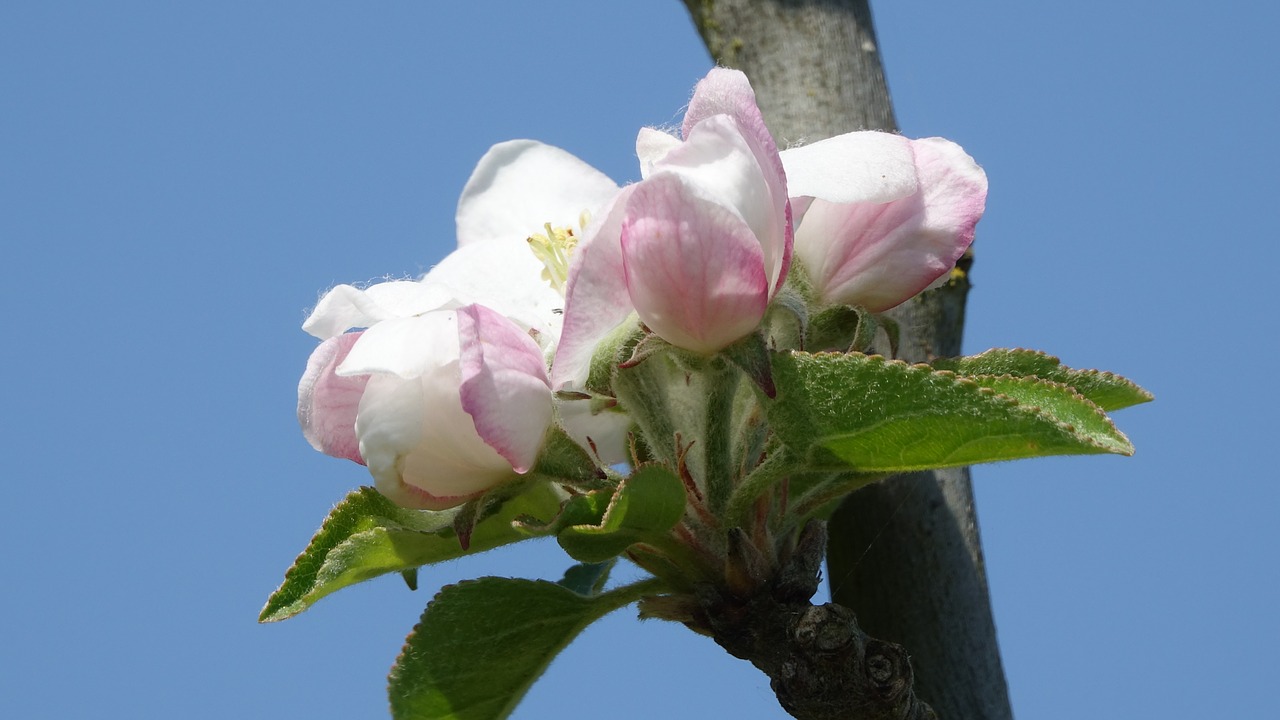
[441, 405]
[698, 247]
[880, 217]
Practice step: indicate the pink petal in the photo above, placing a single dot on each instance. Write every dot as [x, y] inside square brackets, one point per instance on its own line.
[596, 299]
[694, 269]
[520, 185]
[327, 402]
[504, 385]
[728, 167]
[878, 255]
[728, 92]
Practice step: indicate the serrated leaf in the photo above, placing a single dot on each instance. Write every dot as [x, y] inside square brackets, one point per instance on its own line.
[1106, 390]
[367, 535]
[878, 416]
[647, 504]
[481, 644]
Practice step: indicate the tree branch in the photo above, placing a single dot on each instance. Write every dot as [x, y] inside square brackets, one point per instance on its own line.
[821, 665]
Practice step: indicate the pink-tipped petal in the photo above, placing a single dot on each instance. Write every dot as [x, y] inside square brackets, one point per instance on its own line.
[596, 299]
[520, 185]
[728, 167]
[419, 444]
[728, 92]
[694, 269]
[864, 166]
[327, 402]
[878, 255]
[504, 385]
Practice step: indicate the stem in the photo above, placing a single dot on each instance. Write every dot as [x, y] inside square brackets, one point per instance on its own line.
[717, 440]
[765, 475]
[627, 594]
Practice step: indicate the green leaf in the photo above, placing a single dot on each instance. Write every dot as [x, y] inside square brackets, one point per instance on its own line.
[587, 578]
[367, 535]
[482, 643]
[878, 416]
[645, 507]
[1108, 391]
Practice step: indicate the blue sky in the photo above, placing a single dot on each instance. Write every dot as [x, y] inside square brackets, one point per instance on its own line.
[179, 182]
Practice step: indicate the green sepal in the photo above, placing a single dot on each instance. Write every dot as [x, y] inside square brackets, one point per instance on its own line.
[585, 509]
[366, 535]
[879, 416]
[482, 643]
[1106, 390]
[645, 507]
[564, 461]
[751, 356]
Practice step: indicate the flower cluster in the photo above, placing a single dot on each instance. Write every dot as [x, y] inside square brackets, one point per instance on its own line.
[448, 386]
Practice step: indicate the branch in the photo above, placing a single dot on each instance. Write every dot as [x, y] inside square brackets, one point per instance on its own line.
[821, 665]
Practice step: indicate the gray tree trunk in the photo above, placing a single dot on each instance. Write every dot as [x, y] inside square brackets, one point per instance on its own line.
[904, 554]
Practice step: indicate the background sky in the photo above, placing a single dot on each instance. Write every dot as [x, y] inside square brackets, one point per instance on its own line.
[180, 181]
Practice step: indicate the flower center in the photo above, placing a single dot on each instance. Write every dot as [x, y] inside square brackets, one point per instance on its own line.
[554, 248]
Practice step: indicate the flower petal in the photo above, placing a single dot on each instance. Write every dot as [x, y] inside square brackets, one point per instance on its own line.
[346, 307]
[504, 385]
[652, 146]
[505, 276]
[327, 402]
[421, 447]
[695, 271]
[726, 165]
[520, 185]
[880, 254]
[855, 167]
[405, 347]
[728, 92]
[596, 299]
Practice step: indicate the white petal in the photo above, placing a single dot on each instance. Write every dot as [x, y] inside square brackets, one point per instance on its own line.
[503, 276]
[346, 307]
[405, 347]
[520, 185]
[652, 145]
[855, 167]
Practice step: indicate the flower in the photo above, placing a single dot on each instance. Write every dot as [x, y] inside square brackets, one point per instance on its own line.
[881, 217]
[439, 386]
[698, 248]
[440, 403]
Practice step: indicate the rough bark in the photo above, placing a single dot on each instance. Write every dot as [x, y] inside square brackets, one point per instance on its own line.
[905, 554]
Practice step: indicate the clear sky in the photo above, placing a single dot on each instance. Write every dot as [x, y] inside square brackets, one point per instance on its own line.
[180, 181]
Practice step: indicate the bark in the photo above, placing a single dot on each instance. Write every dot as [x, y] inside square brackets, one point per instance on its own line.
[904, 554]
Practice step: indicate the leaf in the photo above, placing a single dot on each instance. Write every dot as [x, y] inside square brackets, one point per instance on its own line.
[1107, 390]
[646, 505]
[482, 643]
[878, 416]
[367, 535]
[587, 578]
